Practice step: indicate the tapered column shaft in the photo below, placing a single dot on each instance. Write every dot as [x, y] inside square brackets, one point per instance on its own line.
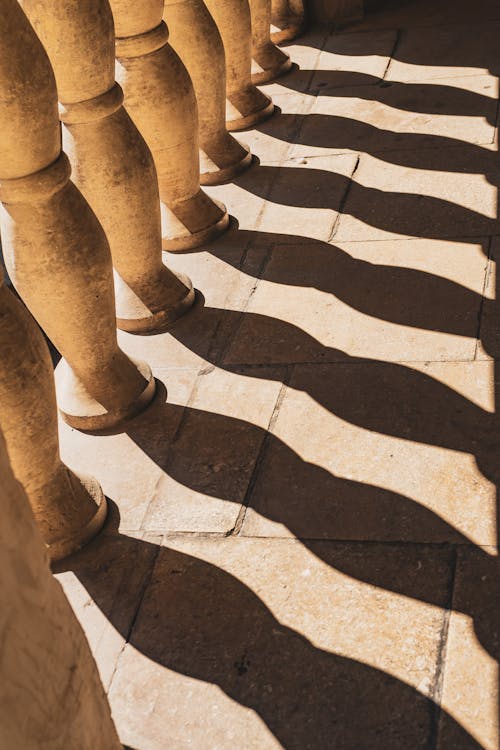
[112, 165]
[55, 250]
[50, 692]
[246, 106]
[196, 39]
[288, 20]
[69, 509]
[268, 61]
[160, 98]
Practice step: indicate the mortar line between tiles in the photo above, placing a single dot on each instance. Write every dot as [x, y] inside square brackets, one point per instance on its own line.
[437, 691]
[393, 52]
[236, 530]
[145, 586]
[483, 297]
[343, 201]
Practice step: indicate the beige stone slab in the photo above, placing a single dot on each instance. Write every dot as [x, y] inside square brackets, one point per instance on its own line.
[388, 200]
[263, 644]
[208, 467]
[271, 141]
[423, 54]
[366, 53]
[406, 120]
[489, 340]
[104, 584]
[377, 451]
[214, 273]
[126, 471]
[394, 301]
[470, 683]
[299, 201]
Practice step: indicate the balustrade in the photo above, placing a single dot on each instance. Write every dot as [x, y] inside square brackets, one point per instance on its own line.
[50, 692]
[287, 17]
[247, 106]
[160, 98]
[54, 248]
[268, 60]
[112, 165]
[195, 37]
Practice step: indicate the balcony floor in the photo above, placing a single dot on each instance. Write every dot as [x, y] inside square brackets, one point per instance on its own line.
[302, 548]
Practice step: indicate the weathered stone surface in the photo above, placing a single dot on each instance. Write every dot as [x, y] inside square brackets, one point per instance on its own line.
[233, 640]
[50, 693]
[470, 683]
[55, 250]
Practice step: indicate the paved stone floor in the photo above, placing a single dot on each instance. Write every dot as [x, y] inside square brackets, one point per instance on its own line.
[302, 549]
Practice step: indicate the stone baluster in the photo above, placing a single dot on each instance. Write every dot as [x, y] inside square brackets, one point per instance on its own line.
[246, 106]
[268, 60]
[160, 98]
[50, 692]
[288, 18]
[112, 165]
[69, 509]
[196, 39]
[55, 250]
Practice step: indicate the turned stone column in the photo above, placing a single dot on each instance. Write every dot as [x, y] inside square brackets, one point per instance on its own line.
[268, 60]
[69, 509]
[160, 98]
[195, 37]
[112, 165]
[50, 692]
[246, 106]
[288, 18]
[55, 250]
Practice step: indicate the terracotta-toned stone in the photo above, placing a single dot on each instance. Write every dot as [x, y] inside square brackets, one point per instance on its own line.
[246, 105]
[50, 693]
[68, 508]
[160, 98]
[196, 39]
[268, 60]
[55, 250]
[287, 17]
[112, 164]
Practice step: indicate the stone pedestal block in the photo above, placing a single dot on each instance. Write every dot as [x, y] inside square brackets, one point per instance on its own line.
[50, 692]
[112, 165]
[55, 250]
[287, 19]
[160, 98]
[69, 509]
[268, 60]
[246, 106]
[195, 37]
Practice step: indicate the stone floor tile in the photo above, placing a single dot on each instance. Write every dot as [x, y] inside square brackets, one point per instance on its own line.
[299, 201]
[470, 686]
[489, 333]
[235, 647]
[105, 583]
[232, 289]
[442, 114]
[271, 141]
[376, 451]
[449, 50]
[128, 474]
[208, 467]
[394, 300]
[357, 54]
[398, 198]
